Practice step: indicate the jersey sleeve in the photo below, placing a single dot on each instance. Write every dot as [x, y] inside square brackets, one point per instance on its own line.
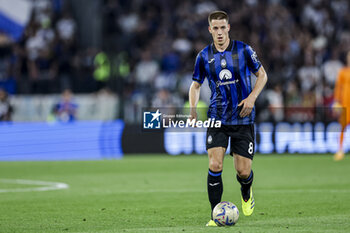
[199, 70]
[338, 87]
[252, 59]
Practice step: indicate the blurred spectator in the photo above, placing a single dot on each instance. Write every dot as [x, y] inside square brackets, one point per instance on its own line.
[42, 65]
[310, 79]
[65, 109]
[275, 103]
[102, 69]
[164, 98]
[182, 44]
[169, 102]
[66, 28]
[5, 106]
[331, 68]
[309, 74]
[293, 98]
[146, 69]
[84, 68]
[7, 74]
[170, 62]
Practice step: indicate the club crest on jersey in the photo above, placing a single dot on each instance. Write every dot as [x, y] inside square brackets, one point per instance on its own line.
[225, 74]
[223, 63]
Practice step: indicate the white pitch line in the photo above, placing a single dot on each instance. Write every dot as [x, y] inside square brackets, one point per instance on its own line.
[45, 185]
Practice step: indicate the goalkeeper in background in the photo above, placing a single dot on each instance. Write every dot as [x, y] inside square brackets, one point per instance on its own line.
[342, 100]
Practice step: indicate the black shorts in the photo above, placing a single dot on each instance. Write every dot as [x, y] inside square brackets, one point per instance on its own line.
[242, 139]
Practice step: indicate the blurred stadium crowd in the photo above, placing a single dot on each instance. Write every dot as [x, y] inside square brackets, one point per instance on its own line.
[149, 48]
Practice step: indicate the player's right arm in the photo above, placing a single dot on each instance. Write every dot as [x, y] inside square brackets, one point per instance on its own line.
[338, 89]
[338, 93]
[194, 98]
[198, 78]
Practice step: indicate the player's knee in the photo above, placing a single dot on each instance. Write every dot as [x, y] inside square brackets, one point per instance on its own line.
[243, 173]
[215, 166]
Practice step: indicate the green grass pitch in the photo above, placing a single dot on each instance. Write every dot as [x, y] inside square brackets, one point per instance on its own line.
[165, 193]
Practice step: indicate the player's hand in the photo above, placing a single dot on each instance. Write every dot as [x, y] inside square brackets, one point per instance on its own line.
[247, 106]
[337, 109]
[193, 114]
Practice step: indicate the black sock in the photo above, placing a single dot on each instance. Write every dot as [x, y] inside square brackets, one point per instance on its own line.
[245, 185]
[215, 188]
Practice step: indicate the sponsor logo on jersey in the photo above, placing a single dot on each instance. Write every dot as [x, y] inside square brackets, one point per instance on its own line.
[225, 74]
[219, 83]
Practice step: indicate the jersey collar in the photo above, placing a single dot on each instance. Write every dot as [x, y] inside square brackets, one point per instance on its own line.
[229, 47]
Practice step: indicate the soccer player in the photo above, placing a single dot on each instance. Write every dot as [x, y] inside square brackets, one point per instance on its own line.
[342, 100]
[228, 64]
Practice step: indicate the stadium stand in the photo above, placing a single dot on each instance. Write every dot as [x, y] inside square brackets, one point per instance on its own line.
[150, 48]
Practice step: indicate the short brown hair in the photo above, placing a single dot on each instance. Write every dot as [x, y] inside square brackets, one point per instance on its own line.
[217, 15]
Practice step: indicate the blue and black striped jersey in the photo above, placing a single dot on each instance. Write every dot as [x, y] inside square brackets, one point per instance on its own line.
[229, 78]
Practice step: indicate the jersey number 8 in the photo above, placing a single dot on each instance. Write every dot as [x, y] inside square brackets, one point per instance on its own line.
[250, 149]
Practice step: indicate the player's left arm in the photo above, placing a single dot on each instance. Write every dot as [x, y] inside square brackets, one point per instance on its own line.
[248, 103]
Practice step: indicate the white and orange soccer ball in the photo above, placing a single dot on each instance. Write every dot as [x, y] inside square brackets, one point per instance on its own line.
[225, 214]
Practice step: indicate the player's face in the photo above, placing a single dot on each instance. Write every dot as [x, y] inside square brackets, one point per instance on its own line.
[219, 29]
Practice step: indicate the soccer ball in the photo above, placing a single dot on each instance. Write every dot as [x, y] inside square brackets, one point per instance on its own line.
[225, 214]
